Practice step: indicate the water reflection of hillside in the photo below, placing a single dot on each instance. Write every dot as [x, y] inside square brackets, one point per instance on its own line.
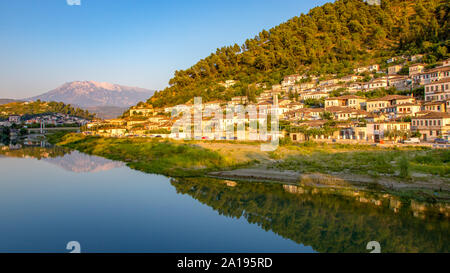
[329, 220]
[72, 161]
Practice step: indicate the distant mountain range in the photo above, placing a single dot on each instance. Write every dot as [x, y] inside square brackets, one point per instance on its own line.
[106, 112]
[105, 99]
[6, 101]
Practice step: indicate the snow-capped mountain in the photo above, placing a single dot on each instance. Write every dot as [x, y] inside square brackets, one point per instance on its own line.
[94, 94]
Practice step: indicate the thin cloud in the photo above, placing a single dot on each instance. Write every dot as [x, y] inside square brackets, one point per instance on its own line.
[74, 2]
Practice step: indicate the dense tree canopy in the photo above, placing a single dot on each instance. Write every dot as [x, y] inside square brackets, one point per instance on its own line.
[28, 110]
[331, 39]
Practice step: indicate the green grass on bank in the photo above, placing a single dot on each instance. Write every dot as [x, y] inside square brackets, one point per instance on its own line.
[150, 155]
[181, 159]
[57, 136]
[403, 163]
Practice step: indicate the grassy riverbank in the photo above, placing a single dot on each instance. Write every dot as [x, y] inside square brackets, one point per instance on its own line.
[405, 163]
[415, 166]
[149, 155]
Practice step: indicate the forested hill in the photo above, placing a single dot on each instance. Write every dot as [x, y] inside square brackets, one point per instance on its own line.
[30, 109]
[331, 39]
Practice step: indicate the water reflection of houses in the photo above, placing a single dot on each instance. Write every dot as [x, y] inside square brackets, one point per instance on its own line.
[329, 220]
[417, 208]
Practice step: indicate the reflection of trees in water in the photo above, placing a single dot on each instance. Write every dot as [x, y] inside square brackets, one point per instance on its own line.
[329, 222]
[35, 152]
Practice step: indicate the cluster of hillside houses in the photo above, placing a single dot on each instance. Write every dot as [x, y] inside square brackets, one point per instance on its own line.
[53, 119]
[352, 117]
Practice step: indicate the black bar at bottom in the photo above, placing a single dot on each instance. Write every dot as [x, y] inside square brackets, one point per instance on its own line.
[227, 262]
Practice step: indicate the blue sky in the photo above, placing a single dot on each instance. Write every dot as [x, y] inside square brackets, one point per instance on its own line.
[44, 44]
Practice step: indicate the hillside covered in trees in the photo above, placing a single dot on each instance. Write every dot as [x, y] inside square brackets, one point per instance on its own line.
[30, 109]
[331, 39]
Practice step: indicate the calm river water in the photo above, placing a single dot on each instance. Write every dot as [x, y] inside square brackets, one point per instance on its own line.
[50, 196]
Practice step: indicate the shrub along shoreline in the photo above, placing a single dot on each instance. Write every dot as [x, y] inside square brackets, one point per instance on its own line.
[149, 155]
[418, 167]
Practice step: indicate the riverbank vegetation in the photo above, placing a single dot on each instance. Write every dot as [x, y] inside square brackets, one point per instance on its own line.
[197, 158]
[4, 134]
[401, 164]
[150, 155]
[29, 110]
[407, 163]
